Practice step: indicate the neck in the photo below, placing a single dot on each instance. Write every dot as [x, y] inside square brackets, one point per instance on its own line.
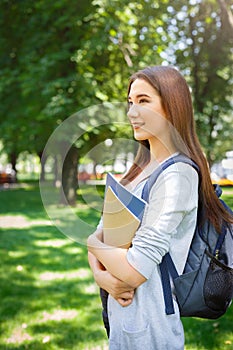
[160, 151]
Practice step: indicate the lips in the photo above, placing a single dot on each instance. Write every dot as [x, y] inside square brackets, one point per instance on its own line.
[137, 125]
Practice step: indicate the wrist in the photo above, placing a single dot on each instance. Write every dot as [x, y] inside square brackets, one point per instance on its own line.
[93, 243]
[99, 277]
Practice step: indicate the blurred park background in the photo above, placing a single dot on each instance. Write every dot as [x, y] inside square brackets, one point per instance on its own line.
[60, 58]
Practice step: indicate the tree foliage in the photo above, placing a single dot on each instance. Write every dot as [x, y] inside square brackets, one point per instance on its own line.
[205, 35]
[58, 58]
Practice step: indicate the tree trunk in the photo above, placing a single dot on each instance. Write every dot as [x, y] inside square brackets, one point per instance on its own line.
[226, 15]
[13, 160]
[209, 153]
[42, 164]
[56, 170]
[69, 177]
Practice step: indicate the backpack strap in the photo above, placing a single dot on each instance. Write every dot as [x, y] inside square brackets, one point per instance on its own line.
[179, 158]
[167, 267]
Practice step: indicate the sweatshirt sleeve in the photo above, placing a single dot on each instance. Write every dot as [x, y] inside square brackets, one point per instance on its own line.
[173, 196]
[100, 223]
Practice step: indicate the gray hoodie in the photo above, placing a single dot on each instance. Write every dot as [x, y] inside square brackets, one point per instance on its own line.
[168, 225]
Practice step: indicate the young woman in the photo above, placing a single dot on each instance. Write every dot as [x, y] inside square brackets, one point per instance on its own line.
[161, 114]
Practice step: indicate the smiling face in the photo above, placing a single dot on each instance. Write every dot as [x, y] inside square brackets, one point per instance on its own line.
[146, 113]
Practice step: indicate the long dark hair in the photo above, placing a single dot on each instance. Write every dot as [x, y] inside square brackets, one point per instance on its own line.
[177, 103]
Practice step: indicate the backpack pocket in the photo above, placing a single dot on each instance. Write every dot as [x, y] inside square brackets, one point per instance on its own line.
[218, 286]
[206, 292]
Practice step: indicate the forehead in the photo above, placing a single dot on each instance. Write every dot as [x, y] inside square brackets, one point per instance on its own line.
[141, 87]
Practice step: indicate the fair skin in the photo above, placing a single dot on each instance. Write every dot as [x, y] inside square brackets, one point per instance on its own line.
[148, 119]
[110, 266]
[121, 291]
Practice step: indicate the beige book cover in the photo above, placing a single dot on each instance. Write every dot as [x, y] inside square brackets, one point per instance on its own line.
[119, 223]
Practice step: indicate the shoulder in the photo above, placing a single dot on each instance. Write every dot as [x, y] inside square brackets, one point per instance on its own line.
[179, 178]
[177, 172]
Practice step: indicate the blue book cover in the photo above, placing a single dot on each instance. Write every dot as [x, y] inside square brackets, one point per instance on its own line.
[135, 204]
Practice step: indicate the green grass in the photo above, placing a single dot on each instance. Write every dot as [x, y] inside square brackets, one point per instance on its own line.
[48, 299]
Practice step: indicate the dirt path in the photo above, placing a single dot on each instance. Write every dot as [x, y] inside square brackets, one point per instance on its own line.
[19, 221]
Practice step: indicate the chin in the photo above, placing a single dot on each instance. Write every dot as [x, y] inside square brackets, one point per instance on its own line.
[141, 136]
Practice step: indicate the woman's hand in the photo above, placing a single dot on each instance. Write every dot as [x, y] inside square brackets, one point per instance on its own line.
[115, 260]
[118, 289]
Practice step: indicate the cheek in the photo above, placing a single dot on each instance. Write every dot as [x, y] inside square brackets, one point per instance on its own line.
[161, 111]
[155, 122]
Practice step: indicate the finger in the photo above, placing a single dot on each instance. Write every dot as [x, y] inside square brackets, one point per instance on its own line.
[124, 302]
[126, 295]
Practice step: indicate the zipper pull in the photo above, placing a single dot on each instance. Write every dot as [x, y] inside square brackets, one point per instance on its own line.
[217, 254]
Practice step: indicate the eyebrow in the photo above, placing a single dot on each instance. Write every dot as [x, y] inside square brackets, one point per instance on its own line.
[138, 96]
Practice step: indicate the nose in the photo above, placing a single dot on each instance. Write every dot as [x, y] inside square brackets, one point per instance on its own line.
[133, 112]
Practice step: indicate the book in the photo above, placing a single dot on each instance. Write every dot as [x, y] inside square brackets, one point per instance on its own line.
[134, 203]
[122, 214]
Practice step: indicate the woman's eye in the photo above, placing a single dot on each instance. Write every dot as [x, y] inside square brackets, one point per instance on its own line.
[143, 101]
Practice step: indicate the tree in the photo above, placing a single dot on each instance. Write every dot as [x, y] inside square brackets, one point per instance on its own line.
[39, 81]
[67, 58]
[203, 52]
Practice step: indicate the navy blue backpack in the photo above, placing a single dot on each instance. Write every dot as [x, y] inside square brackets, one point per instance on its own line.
[205, 288]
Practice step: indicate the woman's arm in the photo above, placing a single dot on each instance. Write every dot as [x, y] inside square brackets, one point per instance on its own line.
[119, 290]
[114, 260]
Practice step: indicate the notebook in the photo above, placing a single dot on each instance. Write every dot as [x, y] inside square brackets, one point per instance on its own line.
[122, 214]
[135, 204]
